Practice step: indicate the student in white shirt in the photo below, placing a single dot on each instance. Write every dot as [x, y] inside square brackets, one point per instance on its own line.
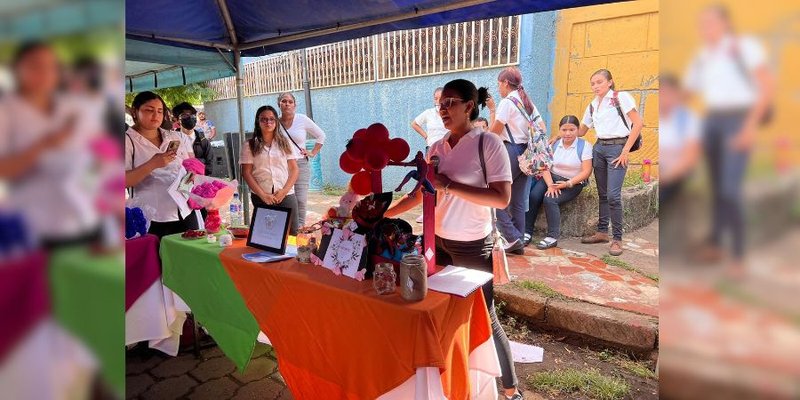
[269, 165]
[150, 167]
[511, 125]
[428, 123]
[679, 136]
[617, 130]
[466, 193]
[731, 74]
[300, 127]
[572, 165]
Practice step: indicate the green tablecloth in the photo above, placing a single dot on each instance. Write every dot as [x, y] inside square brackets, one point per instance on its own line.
[88, 294]
[192, 269]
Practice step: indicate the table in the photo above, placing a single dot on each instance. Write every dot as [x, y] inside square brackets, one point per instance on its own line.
[192, 269]
[336, 338]
[87, 297]
[152, 312]
[24, 298]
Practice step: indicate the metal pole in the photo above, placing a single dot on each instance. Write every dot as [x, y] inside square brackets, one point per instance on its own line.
[306, 84]
[243, 190]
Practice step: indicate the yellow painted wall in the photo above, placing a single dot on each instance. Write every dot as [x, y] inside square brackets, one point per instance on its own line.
[621, 37]
[777, 25]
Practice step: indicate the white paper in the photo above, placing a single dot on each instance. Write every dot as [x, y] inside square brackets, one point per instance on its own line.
[458, 280]
[525, 353]
[180, 198]
[268, 256]
[345, 253]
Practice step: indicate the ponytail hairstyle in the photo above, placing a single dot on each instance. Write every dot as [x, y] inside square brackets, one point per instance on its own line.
[468, 92]
[569, 119]
[606, 74]
[514, 79]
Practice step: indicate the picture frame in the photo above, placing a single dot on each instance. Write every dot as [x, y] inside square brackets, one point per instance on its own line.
[269, 228]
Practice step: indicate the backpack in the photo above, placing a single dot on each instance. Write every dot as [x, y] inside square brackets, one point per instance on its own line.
[537, 156]
[581, 144]
[615, 101]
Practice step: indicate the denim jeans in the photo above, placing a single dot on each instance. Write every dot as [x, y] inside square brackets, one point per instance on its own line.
[609, 187]
[301, 189]
[536, 196]
[727, 168]
[511, 220]
[477, 254]
[290, 201]
[553, 212]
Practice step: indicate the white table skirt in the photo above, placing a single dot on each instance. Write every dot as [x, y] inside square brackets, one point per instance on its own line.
[157, 317]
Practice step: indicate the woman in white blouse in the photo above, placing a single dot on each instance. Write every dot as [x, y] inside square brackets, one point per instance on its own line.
[299, 128]
[152, 164]
[616, 121]
[269, 165]
[572, 165]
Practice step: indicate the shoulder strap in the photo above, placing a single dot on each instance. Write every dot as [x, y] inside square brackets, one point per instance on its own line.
[619, 110]
[738, 58]
[483, 160]
[290, 137]
[580, 145]
[510, 136]
[133, 153]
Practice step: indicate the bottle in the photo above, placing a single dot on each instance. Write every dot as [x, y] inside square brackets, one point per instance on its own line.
[236, 217]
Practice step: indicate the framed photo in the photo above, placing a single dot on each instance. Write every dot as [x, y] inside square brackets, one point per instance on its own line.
[345, 251]
[269, 228]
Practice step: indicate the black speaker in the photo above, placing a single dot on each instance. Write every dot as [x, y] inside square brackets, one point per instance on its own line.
[233, 148]
[220, 166]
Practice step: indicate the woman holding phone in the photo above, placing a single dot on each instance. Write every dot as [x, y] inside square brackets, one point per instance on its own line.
[153, 158]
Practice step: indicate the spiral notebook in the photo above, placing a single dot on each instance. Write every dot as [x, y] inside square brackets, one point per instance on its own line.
[458, 280]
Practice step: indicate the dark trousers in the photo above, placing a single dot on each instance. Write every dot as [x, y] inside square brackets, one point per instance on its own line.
[162, 229]
[511, 220]
[477, 254]
[609, 180]
[552, 208]
[535, 198]
[289, 201]
[727, 168]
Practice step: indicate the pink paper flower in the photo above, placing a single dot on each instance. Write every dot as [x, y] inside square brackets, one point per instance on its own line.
[195, 166]
[337, 271]
[315, 260]
[361, 274]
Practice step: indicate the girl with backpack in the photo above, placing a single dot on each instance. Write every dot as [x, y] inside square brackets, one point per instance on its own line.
[572, 165]
[512, 122]
[616, 121]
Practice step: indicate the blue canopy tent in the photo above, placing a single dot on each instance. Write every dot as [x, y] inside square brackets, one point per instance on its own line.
[225, 30]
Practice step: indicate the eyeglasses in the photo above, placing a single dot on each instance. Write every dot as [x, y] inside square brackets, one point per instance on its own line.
[267, 120]
[448, 102]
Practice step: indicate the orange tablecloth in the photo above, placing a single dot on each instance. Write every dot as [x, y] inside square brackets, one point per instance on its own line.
[335, 338]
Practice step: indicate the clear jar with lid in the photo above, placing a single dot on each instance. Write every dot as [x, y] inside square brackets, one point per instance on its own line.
[413, 278]
[383, 279]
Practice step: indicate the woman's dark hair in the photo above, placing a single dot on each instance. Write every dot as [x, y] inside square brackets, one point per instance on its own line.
[257, 142]
[606, 74]
[144, 97]
[569, 119]
[27, 48]
[468, 92]
[514, 79]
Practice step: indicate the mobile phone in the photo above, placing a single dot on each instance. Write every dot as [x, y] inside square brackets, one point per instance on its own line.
[173, 145]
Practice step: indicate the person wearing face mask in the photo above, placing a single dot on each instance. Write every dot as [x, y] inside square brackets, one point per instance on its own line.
[473, 176]
[201, 147]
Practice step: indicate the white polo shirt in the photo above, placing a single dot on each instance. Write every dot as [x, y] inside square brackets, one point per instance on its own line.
[717, 73]
[565, 159]
[301, 128]
[508, 113]
[431, 122]
[152, 190]
[606, 120]
[456, 218]
[676, 131]
[270, 166]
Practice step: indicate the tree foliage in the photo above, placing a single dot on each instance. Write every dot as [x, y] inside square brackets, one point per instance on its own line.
[194, 93]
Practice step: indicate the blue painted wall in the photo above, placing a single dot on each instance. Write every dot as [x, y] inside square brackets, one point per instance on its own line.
[342, 110]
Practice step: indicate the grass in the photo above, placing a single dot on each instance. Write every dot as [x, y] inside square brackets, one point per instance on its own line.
[611, 260]
[589, 382]
[333, 190]
[541, 288]
[638, 368]
[633, 179]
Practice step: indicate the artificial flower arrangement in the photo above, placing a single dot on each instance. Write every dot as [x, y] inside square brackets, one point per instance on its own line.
[206, 192]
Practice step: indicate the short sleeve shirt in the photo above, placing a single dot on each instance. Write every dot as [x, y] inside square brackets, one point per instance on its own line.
[606, 120]
[565, 159]
[509, 114]
[457, 218]
[431, 122]
[270, 166]
[303, 127]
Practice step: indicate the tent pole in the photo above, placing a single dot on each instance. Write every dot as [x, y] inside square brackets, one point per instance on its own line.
[243, 189]
[306, 84]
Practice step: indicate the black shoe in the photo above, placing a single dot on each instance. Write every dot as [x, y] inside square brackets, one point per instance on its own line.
[526, 240]
[515, 247]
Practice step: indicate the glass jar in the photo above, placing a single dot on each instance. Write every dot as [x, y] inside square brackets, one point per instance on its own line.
[383, 279]
[413, 278]
[303, 248]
